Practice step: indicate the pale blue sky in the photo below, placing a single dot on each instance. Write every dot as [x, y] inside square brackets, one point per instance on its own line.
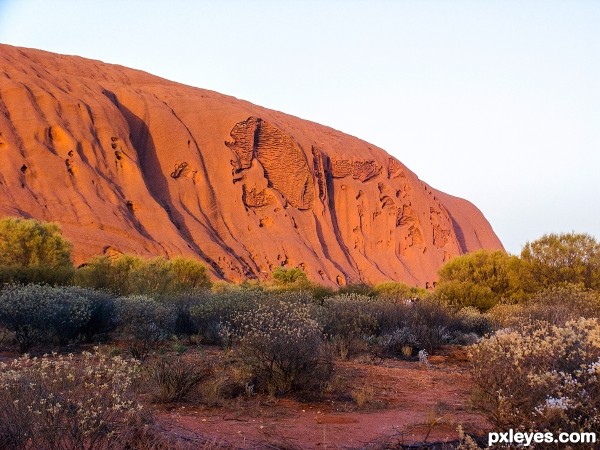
[494, 101]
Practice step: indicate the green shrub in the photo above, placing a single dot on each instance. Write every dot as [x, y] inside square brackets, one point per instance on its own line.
[112, 274]
[400, 291]
[357, 289]
[63, 402]
[481, 279]
[282, 346]
[289, 277]
[33, 252]
[540, 376]
[461, 294]
[569, 258]
[132, 275]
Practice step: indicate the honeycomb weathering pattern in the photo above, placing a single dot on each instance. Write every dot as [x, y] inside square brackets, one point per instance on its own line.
[129, 162]
[284, 163]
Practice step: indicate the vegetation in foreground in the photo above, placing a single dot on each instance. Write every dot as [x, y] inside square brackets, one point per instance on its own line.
[532, 324]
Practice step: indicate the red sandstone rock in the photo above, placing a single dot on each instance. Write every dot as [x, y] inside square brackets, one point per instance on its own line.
[129, 162]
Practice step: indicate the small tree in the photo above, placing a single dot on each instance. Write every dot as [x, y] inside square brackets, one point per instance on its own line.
[33, 251]
[480, 279]
[569, 258]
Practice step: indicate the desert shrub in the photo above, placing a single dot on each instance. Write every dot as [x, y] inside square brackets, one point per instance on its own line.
[481, 279]
[555, 305]
[282, 346]
[174, 378]
[132, 275]
[425, 325]
[401, 341]
[39, 314]
[67, 402]
[559, 304]
[302, 297]
[24, 310]
[471, 320]
[570, 258]
[184, 325]
[144, 322]
[506, 315]
[540, 376]
[400, 291]
[103, 313]
[432, 323]
[213, 310]
[357, 289]
[292, 277]
[33, 252]
[460, 294]
[348, 320]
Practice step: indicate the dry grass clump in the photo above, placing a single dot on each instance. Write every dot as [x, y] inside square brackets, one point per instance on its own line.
[174, 378]
[540, 376]
[63, 402]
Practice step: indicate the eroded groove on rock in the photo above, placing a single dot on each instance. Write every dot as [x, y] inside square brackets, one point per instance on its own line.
[281, 190]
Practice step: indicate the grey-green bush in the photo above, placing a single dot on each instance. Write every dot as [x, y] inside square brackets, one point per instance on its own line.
[282, 346]
[349, 319]
[213, 310]
[42, 314]
[144, 322]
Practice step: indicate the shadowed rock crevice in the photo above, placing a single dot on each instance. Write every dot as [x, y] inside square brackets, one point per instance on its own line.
[156, 181]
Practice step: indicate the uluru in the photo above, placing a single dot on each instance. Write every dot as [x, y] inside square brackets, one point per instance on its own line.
[127, 162]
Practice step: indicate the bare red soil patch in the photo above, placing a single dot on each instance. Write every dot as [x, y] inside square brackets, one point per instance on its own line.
[402, 402]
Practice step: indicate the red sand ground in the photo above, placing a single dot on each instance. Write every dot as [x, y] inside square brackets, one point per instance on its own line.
[412, 403]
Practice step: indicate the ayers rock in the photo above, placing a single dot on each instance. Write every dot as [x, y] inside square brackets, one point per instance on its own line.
[129, 162]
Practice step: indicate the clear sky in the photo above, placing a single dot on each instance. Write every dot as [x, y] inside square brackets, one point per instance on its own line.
[494, 101]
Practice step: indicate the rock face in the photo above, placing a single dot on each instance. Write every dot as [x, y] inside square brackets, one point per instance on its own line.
[129, 162]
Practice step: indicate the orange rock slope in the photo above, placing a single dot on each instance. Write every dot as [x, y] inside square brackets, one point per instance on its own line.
[129, 162]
